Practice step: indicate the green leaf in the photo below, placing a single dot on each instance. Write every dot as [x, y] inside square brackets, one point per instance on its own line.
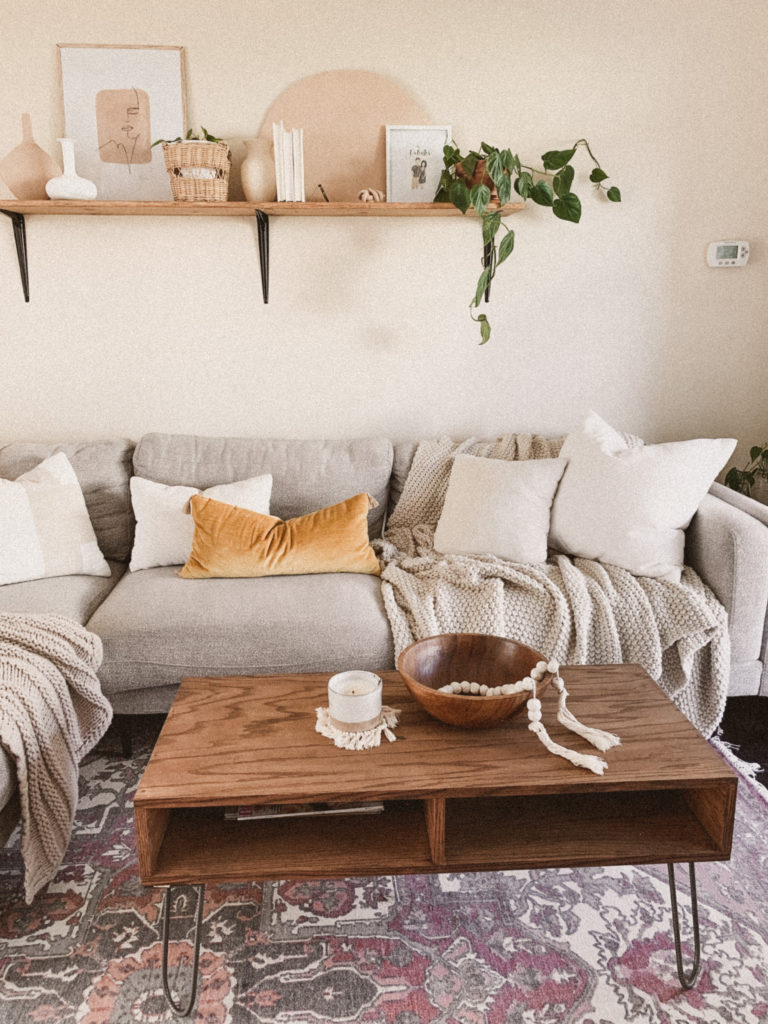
[506, 245]
[491, 224]
[523, 184]
[541, 193]
[614, 195]
[495, 167]
[562, 182]
[442, 195]
[480, 196]
[755, 452]
[554, 159]
[510, 161]
[568, 207]
[468, 165]
[505, 189]
[451, 155]
[459, 196]
[597, 175]
[485, 328]
[482, 284]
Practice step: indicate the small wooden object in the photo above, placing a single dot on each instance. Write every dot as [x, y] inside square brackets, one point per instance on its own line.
[453, 657]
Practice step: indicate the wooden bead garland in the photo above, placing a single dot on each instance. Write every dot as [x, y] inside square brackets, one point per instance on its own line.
[597, 737]
[482, 690]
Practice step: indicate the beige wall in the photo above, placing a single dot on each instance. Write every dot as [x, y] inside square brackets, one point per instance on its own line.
[158, 324]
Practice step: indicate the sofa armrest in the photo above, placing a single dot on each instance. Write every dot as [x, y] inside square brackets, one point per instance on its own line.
[727, 545]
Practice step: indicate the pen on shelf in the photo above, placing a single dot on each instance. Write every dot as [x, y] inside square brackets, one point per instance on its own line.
[322, 192]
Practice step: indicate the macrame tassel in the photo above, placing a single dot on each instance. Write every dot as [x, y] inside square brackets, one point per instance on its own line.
[589, 761]
[358, 740]
[597, 737]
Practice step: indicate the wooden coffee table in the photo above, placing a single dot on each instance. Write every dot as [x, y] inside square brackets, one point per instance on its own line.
[455, 799]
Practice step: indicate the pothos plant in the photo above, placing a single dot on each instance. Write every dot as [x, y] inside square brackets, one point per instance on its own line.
[485, 180]
[743, 480]
[202, 136]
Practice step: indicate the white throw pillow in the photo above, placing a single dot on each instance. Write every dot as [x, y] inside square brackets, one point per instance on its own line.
[45, 529]
[629, 506]
[164, 528]
[498, 507]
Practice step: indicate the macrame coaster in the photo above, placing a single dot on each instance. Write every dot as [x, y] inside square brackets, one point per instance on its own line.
[363, 739]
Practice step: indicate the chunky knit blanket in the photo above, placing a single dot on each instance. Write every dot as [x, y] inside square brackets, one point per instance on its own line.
[575, 610]
[52, 712]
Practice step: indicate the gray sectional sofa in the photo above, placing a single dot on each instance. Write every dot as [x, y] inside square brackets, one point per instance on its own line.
[157, 628]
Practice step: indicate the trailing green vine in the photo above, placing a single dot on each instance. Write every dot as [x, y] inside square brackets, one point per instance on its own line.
[504, 172]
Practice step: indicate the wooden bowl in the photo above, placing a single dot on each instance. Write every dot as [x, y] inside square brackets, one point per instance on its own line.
[428, 664]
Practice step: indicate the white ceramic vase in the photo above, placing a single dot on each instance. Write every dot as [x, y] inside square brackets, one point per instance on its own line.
[257, 173]
[70, 185]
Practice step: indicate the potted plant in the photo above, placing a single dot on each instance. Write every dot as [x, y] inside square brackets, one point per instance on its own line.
[754, 474]
[486, 180]
[198, 166]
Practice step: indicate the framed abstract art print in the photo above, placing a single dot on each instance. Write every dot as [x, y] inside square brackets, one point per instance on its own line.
[117, 101]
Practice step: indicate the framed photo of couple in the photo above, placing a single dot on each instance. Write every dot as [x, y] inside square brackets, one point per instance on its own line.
[415, 161]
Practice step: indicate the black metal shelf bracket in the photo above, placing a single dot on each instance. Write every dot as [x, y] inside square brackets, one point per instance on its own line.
[20, 237]
[262, 226]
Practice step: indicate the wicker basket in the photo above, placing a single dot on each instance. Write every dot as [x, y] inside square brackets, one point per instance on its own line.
[198, 171]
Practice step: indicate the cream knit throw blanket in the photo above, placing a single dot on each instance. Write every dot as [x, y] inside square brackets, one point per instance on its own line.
[575, 610]
[52, 712]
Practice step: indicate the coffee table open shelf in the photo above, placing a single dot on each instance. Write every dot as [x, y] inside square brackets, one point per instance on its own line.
[454, 799]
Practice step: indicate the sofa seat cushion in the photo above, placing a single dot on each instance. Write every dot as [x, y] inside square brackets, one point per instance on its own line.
[77, 597]
[157, 628]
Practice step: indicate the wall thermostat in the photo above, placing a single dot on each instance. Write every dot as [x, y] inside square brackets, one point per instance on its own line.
[727, 254]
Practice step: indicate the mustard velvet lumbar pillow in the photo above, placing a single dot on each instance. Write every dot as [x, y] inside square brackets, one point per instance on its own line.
[233, 542]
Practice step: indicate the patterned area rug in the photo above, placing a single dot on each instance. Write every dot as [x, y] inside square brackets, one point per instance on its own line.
[549, 947]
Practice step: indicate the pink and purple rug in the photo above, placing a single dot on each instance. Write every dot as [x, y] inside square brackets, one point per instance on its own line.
[548, 947]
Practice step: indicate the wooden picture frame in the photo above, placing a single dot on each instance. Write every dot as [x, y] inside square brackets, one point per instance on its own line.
[118, 100]
[415, 161]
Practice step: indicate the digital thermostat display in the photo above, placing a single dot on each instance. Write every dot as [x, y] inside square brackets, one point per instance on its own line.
[727, 254]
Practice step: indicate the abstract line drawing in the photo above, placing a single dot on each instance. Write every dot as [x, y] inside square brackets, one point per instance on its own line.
[123, 126]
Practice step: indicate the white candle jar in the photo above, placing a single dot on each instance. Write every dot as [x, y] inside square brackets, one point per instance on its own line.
[354, 700]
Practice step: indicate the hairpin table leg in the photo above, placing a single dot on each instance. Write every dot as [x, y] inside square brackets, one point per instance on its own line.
[262, 221]
[182, 1011]
[686, 980]
[20, 237]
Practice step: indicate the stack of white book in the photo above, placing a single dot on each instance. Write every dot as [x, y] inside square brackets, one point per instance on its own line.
[289, 163]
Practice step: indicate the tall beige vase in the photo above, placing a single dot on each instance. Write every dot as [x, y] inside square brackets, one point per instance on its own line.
[26, 168]
[257, 173]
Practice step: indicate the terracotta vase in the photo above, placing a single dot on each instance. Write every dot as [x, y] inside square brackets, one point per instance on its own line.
[70, 185]
[257, 173]
[26, 168]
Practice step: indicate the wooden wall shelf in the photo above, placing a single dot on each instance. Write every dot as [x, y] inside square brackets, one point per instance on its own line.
[18, 209]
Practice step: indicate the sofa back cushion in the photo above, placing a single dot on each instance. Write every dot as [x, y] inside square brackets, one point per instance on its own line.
[306, 475]
[103, 470]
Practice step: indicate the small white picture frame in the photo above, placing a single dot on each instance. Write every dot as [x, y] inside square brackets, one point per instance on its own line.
[117, 101]
[415, 161]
